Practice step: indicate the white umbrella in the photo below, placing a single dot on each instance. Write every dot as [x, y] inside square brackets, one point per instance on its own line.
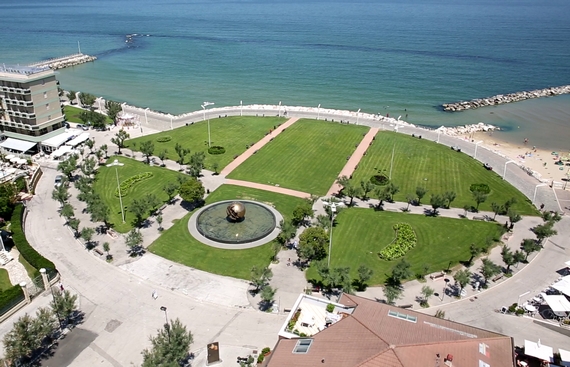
[10, 156]
[567, 262]
[538, 350]
[14, 159]
[21, 161]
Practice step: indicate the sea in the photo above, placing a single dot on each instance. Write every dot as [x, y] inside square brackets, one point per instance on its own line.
[398, 57]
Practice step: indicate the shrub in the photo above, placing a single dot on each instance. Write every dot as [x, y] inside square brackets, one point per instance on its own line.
[129, 182]
[481, 187]
[405, 240]
[330, 307]
[9, 297]
[216, 149]
[28, 252]
[379, 179]
[265, 351]
[513, 308]
[164, 139]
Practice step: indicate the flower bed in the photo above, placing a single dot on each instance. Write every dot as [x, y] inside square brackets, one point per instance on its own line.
[216, 149]
[129, 182]
[405, 240]
[164, 139]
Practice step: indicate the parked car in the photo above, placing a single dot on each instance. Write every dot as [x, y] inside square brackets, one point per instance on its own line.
[456, 148]
[487, 166]
[58, 180]
[83, 127]
[66, 125]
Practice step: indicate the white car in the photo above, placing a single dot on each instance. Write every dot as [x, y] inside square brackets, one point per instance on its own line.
[58, 180]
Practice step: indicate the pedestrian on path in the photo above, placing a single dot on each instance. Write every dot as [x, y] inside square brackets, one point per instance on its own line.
[61, 286]
[154, 294]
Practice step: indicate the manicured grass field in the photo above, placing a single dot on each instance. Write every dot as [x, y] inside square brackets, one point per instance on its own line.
[361, 233]
[72, 115]
[308, 156]
[106, 185]
[424, 163]
[178, 245]
[4, 279]
[232, 133]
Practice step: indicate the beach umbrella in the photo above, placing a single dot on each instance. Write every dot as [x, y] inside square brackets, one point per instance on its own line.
[538, 350]
[9, 156]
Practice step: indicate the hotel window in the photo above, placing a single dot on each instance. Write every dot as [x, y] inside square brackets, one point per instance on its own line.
[47, 106]
[302, 346]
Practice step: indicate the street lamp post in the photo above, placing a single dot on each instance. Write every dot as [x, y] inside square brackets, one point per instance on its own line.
[318, 111]
[116, 164]
[206, 104]
[279, 111]
[166, 325]
[357, 116]
[522, 295]
[333, 211]
[146, 116]
[476, 145]
[163, 308]
[438, 134]
[535, 189]
[505, 170]
[241, 108]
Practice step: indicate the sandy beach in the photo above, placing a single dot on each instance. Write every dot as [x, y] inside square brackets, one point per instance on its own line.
[538, 159]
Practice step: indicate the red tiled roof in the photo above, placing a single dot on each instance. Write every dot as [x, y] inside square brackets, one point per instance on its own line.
[369, 337]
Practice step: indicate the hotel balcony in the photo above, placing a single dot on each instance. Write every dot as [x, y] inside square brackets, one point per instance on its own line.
[15, 90]
[21, 114]
[19, 102]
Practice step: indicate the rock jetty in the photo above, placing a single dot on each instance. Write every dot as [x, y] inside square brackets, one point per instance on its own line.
[467, 129]
[66, 61]
[505, 98]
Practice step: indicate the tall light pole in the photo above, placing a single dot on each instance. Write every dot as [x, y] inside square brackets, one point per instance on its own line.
[146, 116]
[522, 295]
[204, 105]
[505, 170]
[333, 211]
[438, 134]
[357, 116]
[476, 146]
[166, 325]
[535, 189]
[279, 111]
[162, 308]
[318, 111]
[116, 164]
[241, 108]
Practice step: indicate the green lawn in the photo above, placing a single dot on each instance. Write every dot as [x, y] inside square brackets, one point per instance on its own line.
[361, 233]
[308, 156]
[178, 245]
[233, 133]
[4, 280]
[106, 185]
[72, 115]
[419, 162]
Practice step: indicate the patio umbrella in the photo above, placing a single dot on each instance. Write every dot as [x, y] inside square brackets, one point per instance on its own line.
[14, 159]
[538, 350]
[10, 156]
[565, 357]
[21, 161]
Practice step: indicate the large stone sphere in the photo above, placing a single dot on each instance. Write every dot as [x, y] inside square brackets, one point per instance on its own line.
[236, 211]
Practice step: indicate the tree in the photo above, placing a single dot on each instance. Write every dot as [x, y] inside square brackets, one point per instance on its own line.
[159, 221]
[392, 293]
[119, 139]
[489, 269]
[462, 277]
[551, 216]
[528, 245]
[90, 143]
[313, 244]
[507, 205]
[364, 275]
[324, 221]
[474, 250]
[513, 216]
[88, 167]
[152, 201]
[22, 339]
[267, 294]
[366, 187]
[436, 201]
[182, 153]
[382, 193]
[192, 191]
[8, 198]
[392, 190]
[133, 241]
[74, 224]
[63, 304]
[448, 197]
[260, 277]
[215, 167]
[113, 108]
[479, 198]
[170, 189]
[343, 181]
[147, 148]
[301, 212]
[162, 155]
[104, 148]
[71, 95]
[352, 191]
[420, 193]
[410, 198]
[543, 231]
[68, 166]
[87, 99]
[107, 248]
[45, 322]
[92, 118]
[133, 147]
[139, 207]
[519, 257]
[400, 272]
[288, 231]
[496, 209]
[196, 164]
[340, 278]
[508, 257]
[61, 194]
[100, 212]
[67, 211]
[87, 235]
[169, 347]
[427, 292]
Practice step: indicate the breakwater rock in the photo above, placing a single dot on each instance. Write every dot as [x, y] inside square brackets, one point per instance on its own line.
[467, 129]
[505, 98]
[66, 61]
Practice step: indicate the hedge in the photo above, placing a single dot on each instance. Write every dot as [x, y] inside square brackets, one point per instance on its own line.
[32, 256]
[216, 149]
[129, 182]
[481, 187]
[164, 139]
[10, 297]
[405, 240]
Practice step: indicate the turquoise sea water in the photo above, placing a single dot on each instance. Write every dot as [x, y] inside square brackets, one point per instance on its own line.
[393, 57]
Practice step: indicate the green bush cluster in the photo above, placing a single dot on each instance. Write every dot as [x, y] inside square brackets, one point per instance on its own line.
[293, 320]
[9, 297]
[405, 240]
[481, 187]
[379, 179]
[216, 149]
[164, 139]
[129, 182]
[32, 256]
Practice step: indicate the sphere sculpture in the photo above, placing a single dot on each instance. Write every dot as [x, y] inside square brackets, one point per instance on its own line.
[236, 211]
